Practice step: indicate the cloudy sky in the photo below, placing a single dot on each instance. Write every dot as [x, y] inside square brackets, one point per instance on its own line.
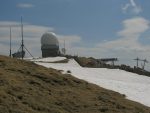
[97, 28]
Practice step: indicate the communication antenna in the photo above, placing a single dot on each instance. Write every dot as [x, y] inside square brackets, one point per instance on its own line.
[10, 42]
[22, 52]
[10, 36]
[22, 47]
[22, 44]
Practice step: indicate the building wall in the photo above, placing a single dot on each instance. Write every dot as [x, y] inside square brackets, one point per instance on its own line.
[50, 52]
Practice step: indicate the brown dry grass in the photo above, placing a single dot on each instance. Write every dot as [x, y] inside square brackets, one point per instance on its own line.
[28, 88]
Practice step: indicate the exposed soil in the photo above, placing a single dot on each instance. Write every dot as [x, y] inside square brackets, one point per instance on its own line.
[29, 88]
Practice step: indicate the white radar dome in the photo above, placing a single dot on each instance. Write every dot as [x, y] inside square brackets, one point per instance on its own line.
[49, 39]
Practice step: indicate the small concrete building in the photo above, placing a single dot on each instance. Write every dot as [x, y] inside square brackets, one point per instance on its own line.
[49, 45]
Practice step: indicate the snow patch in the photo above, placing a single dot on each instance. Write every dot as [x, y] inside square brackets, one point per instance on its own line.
[135, 87]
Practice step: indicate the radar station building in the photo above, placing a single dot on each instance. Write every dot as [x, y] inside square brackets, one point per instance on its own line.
[49, 45]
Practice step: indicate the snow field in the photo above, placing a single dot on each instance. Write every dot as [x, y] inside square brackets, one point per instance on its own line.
[135, 87]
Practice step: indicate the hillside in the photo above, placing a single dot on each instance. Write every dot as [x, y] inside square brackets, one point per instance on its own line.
[29, 88]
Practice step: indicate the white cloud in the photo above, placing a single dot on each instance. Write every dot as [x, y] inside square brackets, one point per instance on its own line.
[125, 7]
[30, 31]
[8, 23]
[126, 48]
[129, 36]
[133, 3]
[134, 27]
[131, 7]
[25, 5]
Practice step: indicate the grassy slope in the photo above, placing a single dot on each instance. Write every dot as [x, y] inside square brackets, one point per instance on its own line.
[28, 88]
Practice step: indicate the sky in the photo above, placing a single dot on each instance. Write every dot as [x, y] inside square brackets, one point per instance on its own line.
[91, 28]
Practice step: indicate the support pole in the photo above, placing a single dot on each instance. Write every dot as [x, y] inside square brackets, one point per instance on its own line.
[145, 61]
[22, 44]
[137, 62]
[64, 48]
[10, 42]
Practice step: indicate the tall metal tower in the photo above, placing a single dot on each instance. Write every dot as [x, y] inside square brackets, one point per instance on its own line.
[22, 44]
[21, 51]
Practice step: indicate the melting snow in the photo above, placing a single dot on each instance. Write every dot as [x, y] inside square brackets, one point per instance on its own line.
[135, 87]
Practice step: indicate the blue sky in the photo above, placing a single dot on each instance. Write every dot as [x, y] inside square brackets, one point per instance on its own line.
[97, 28]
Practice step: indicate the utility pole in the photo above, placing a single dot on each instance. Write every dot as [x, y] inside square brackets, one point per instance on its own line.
[137, 61]
[145, 61]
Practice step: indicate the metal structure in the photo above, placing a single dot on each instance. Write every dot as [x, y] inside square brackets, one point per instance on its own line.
[22, 44]
[21, 52]
[137, 62]
[144, 62]
[10, 34]
[10, 43]
[49, 45]
[113, 60]
[64, 49]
